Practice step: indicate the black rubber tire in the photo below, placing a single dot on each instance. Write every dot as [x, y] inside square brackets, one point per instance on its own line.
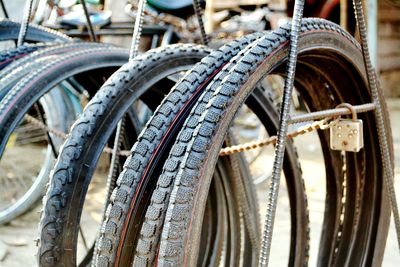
[356, 240]
[32, 87]
[148, 241]
[142, 165]
[9, 30]
[7, 56]
[13, 106]
[264, 108]
[80, 153]
[14, 72]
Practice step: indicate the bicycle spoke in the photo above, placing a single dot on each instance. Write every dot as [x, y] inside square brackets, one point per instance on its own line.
[49, 139]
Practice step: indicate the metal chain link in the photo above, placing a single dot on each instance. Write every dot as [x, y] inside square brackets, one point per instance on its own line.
[44, 127]
[226, 151]
[312, 127]
[325, 123]
[64, 136]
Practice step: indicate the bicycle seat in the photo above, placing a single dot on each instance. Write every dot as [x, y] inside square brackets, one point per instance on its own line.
[170, 5]
[78, 19]
[178, 8]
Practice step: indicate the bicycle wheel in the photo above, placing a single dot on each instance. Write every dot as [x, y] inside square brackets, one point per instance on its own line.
[329, 71]
[9, 55]
[17, 103]
[9, 30]
[148, 77]
[14, 72]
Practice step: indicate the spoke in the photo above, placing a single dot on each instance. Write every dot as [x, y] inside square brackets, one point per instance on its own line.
[50, 140]
[93, 37]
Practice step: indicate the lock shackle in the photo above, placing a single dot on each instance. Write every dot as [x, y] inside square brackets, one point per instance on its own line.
[350, 108]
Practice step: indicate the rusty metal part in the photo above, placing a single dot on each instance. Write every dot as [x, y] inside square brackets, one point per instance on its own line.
[325, 123]
[335, 112]
[380, 120]
[312, 127]
[25, 22]
[137, 30]
[199, 14]
[44, 127]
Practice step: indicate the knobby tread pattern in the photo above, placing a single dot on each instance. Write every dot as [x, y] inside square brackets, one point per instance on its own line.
[63, 176]
[24, 92]
[195, 153]
[55, 48]
[142, 151]
[159, 201]
[11, 54]
[18, 90]
[9, 29]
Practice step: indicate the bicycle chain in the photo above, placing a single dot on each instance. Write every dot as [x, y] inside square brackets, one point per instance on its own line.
[312, 127]
[226, 151]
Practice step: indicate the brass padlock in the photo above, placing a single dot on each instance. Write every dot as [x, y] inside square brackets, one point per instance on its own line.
[347, 134]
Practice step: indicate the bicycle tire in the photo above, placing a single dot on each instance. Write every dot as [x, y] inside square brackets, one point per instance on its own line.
[14, 72]
[16, 103]
[9, 30]
[110, 238]
[292, 171]
[112, 101]
[342, 243]
[9, 55]
[150, 140]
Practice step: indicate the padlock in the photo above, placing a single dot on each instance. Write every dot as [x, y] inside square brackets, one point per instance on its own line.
[347, 134]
